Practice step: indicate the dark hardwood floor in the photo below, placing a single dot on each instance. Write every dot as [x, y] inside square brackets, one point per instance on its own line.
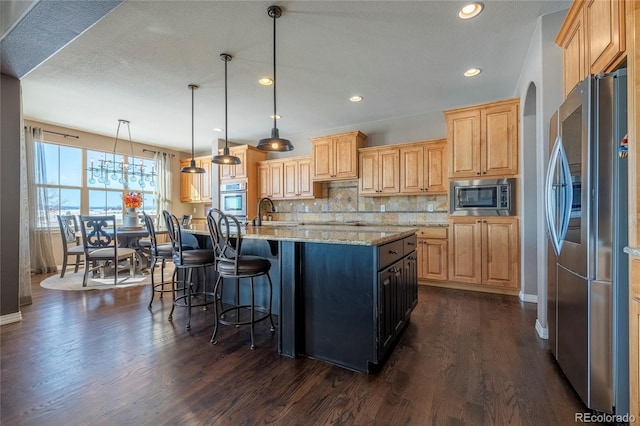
[101, 357]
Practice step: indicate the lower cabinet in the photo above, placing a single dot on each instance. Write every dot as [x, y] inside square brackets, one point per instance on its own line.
[432, 254]
[484, 251]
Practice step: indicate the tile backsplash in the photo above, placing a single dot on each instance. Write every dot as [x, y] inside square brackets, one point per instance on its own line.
[341, 202]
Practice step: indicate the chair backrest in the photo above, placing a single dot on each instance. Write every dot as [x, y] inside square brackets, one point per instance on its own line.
[150, 228]
[175, 235]
[99, 232]
[225, 236]
[68, 228]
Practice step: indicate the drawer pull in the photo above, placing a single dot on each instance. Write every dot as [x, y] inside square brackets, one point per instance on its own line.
[393, 252]
[411, 243]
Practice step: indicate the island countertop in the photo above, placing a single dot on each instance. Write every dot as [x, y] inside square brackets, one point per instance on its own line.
[328, 234]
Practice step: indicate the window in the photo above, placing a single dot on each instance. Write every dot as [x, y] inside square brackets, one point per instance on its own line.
[68, 188]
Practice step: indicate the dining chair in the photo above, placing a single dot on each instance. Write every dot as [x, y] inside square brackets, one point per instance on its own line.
[186, 261]
[161, 252]
[68, 230]
[100, 242]
[226, 238]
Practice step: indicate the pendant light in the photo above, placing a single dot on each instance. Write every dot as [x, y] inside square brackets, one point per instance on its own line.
[192, 166]
[226, 157]
[274, 143]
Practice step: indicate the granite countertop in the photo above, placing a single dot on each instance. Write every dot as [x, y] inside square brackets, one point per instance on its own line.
[314, 233]
[633, 251]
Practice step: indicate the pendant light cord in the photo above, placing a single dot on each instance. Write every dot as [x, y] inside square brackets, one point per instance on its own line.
[192, 126]
[275, 114]
[225, 102]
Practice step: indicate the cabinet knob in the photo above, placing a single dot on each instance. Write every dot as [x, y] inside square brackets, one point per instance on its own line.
[484, 173]
[478, 173]
[479, 221]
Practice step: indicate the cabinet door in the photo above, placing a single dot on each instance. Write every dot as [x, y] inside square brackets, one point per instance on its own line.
[345, 157]
[369, 172]
[387, 279]
[235, 171]
[463, 134]
[290, 186]
[264, 181]
[499, 140]
[604, 25]
[323, 159]
[389, 171]
[187, 184]
[410, 279]
[306, 187]
[465, 245]
[205, 180]
[501, 252]
[276, 178]
[435, 259]
[412, 169]
[435, 167]
[574, 63]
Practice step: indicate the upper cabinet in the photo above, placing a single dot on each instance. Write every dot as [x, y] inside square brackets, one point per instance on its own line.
[335, 157]
[592, 38]
[249, 157]
[483, 140]
[196, 187]
[379, 171]
[423, 167]
[287, 178]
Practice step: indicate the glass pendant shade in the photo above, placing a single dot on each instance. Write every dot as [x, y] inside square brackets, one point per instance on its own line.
[274, 143]
[226, 157]
[192, 168]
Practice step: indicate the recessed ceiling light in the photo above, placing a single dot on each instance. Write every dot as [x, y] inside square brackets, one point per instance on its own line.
[218, 129]
[356, 98]
[470, 10]
[277, 116]
[471, 72]
[265, 81]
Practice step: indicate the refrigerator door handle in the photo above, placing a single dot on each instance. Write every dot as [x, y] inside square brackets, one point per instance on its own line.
[554, 191]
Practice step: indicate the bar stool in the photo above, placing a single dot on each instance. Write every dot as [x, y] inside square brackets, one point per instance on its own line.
[186, 261]
[162, 252]
[226, 239]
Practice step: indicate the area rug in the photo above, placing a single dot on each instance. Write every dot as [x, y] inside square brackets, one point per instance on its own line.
[73, 281]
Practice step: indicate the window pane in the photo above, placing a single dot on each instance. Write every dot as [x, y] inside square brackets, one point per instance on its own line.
[69, 201]
[106, 203]
[46, 163]
[149, 204]
[148, 183]
[70, 166]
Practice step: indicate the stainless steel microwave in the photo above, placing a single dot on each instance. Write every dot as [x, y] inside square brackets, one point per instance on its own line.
[482, 197]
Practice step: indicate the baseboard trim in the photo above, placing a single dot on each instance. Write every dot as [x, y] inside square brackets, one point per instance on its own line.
[470, 287]
[543, 332]
[529, 298]
[11, 318]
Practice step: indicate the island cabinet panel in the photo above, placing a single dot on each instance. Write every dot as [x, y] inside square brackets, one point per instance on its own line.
[335, 157]
[346, 304]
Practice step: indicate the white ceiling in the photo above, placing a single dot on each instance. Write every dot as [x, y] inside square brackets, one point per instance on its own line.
[403, 57]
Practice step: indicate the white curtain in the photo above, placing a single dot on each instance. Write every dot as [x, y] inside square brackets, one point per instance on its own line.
[42, 259]
[24, 273]
[164, 183]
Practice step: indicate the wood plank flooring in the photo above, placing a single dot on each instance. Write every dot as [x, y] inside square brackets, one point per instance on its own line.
[103, 358]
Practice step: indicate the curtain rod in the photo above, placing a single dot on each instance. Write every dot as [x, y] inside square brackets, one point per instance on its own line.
[61, 134]
[157, 152]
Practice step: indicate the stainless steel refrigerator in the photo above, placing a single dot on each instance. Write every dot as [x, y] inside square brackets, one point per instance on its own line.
[586, 207]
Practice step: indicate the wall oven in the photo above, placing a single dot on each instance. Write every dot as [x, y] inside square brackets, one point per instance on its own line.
[233, 199]
[483, 197]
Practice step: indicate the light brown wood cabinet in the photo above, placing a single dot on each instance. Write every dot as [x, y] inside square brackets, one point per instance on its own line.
[592, 38]
[423, 168]
[235, 171]
[433, 254]
[483, 140]
[484, 251]
[379, 171]
[335, 157]
[287, 178]
[196, 187]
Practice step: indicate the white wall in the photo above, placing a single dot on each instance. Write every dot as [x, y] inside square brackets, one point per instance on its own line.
[543, 68]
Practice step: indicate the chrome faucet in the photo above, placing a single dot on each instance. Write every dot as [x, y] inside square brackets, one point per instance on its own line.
[273, 209]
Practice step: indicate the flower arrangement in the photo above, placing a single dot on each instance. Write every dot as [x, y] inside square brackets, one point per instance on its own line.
[132, 200]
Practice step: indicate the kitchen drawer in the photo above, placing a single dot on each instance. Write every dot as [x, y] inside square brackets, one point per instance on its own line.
[390, 253]
[409, 244]
[435, 232]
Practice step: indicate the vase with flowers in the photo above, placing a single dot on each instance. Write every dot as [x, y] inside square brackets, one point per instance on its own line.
[132, 201]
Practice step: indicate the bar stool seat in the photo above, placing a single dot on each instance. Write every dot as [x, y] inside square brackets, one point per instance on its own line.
[231, 264]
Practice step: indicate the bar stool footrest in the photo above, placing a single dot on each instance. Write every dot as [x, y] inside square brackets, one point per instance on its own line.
[262, 315]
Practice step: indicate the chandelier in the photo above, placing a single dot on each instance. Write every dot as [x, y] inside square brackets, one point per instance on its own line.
[112, 171]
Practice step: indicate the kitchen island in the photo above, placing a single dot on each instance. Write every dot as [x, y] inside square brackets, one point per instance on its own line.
[344, 293]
